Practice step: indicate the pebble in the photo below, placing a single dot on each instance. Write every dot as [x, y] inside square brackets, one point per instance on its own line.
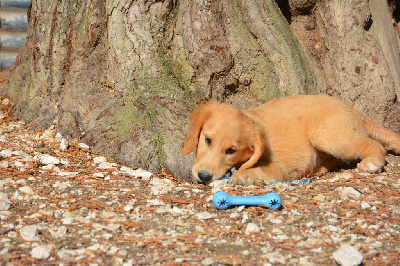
[252, 228]
[26, 190]
[5, 203]
[46, 159]
[207, 261]
[64, 144]
[365, 205]
[136, 173]
[348, 192]
[41, 252]
[205, 215]
[160, 186]
[348, 255]
[29, 232]
[99, 159]
[106, 165]
[83, 146]
[275, 221]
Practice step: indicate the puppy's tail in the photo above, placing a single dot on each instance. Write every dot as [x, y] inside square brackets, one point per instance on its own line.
[389, 140]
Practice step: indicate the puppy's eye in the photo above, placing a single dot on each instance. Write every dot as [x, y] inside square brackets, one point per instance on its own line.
[208, 141]
[230, 151]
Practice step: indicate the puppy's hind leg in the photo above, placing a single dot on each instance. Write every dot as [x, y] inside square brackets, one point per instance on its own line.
[349, 142]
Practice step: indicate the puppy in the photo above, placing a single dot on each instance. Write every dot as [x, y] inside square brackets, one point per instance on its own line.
[284, 139]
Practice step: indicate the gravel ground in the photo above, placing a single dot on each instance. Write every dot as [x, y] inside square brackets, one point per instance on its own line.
[60, 203]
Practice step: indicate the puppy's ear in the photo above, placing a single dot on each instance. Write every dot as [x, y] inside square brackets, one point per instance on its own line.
[197, 119]
[258, 146]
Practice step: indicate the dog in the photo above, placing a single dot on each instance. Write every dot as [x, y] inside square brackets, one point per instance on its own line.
[284, 139]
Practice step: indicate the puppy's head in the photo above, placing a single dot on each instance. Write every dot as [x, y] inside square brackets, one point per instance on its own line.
[225, 137]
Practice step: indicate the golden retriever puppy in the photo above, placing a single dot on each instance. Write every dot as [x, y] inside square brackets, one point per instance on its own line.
[284, 139]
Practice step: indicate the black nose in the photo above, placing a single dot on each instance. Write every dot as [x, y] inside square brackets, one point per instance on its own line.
[204, 176]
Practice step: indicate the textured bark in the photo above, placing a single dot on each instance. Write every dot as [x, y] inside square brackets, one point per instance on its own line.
[124, 75]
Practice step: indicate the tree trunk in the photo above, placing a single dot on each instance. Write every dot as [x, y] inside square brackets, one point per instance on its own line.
[123, 76]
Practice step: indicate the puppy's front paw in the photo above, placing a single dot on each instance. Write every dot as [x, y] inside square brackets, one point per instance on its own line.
[246, 178]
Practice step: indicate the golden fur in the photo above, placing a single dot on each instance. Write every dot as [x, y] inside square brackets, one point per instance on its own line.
[284, 139]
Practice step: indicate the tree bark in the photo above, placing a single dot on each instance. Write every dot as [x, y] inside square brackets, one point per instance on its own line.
[123, 76]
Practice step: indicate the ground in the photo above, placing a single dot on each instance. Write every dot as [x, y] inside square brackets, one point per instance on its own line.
[64, 204]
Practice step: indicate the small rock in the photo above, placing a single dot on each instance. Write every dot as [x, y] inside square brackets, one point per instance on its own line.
[275, 221]
[347, 255]
[207, 261]
[6, 153]
[160, 186]
[348, 192]
[106, 165]
[217, 185]
[83, 146]
[5, 203]
[128, 207]
[46, 159]
[341, 176]
[136, 173]
[26, 190]
[2, 116]
[29, 232]
[41, 252]
[68, 174]
[365, 205]
[99, 175]
[330, 228]
[252, 228]
[64, 144]
[60, 232]
[99, 159]
[205, 215]
[5, 164]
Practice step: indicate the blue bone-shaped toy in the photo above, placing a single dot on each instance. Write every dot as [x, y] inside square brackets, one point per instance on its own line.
[222, 200]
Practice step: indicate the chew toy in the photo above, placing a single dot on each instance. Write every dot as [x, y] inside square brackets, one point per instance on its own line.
[222, 200]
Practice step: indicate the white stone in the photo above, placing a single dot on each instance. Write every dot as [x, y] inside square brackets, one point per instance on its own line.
[98, 175]
[128, 207]
[348, 192]
[46, 159]
[68, 174]
[341, 176]
[64, 144]
[205, 215]
[330, 228]
[252, 228]
[347, 255]
[6, 153]
[160, 186]
[99, 159]
[29, 232]
[207, 261]
[105, 165]
[26, 190]
[136, 173]
[5, 203]
[60, 232]
[41, 252]
[275, 221]
[365, 205]
[83, 146]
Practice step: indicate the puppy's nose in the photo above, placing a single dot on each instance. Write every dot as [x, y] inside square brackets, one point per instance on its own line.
[205, 176]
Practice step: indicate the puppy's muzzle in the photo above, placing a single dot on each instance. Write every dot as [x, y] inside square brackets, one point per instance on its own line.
[205, 176]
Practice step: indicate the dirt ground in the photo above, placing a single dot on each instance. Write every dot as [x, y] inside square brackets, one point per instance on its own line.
[60, 203]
